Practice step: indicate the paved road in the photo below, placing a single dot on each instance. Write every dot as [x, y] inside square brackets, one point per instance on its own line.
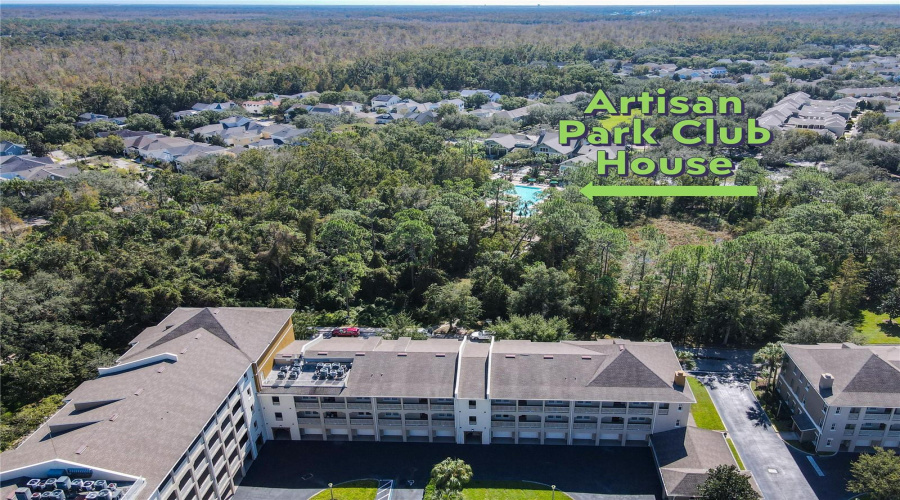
[774, 467]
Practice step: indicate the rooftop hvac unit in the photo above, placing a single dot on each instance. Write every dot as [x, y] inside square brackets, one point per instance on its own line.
[36, 496]
[57, 495]
[34, 484]
[77, 484]
[23, 493]
[99, 484]
[79, 472]
[49, 485]
[87, 485]
[64, 483]
[91, 496]
[104, 494]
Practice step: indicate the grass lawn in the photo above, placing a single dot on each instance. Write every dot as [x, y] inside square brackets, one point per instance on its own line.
[509, 490]
[876, 331]
[704, 412]
[737, 458]
[363, 489]
[613, 120]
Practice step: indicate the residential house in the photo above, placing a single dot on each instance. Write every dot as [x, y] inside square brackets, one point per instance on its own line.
[718, 71]
[384, 101]
[31, 168]
[570, 98]
[498, 145]
[215, 106]
[459, 104]
[548, 144]
[256, 107]
[519, 114]
[179, 115]
[11, 149]
[351, 106]
[843, 397]
[491, 95]
[326, 109]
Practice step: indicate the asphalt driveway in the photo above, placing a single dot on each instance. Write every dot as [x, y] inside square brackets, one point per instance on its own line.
[296, 470]
[774, 467]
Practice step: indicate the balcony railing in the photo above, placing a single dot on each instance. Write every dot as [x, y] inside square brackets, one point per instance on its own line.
[334, 405]
[388, 406]
[309, 421]
[893, 433]
[557, 409]
[612, 410]
[529, 425]
[415, 406]
[530, 409]
[584, 425]
[612, 427]
[587, 409]
[389, 422]
[896, 416]
[503, 407]
[556, 425]
[638, 427]
[853, 416]
[307, 405]
[502, 423]
[359, 406]
[416, 423]
[877, 416]
[336, 421]
[362, 421]
[848, 432]
[441, 406]
[641, 411]
[871, 432]
[442, 423]
[663, 412]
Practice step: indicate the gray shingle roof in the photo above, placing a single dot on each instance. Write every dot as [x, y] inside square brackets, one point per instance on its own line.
[863, 375]
[685, 455]
[159, 413]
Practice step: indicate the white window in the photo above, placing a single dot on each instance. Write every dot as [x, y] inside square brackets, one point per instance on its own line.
[833, 426]
[828, 443]
[678, 423]
[837, 411]
[278, 417]
[276, 401]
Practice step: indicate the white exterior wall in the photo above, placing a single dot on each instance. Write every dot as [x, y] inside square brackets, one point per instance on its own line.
[482, 414]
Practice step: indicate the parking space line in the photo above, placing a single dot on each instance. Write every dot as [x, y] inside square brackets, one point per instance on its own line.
[815, 465]
[385, 489]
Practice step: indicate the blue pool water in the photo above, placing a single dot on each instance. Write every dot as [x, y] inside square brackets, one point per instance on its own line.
[528, 194]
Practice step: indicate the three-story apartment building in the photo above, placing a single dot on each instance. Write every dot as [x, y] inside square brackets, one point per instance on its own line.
[444, 390]
[843, 397]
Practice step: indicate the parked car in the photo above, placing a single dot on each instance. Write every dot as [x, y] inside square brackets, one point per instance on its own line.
[349, 331]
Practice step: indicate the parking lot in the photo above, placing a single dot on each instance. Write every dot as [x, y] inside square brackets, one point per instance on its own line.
[297, 470]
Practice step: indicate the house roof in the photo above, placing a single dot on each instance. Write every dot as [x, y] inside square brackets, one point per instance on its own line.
[863, 375]
[474, 370]
[161, 407]
[684, 455]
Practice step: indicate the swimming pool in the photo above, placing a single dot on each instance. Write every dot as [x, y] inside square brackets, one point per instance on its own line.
[529, 196]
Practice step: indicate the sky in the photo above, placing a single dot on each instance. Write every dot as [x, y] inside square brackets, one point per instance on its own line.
[462, 2]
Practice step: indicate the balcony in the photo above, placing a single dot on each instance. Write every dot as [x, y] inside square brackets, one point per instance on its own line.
[587, 409]
[442, 423]
[584, 425]
[416, 423]
[663, 412]
[415, 406]
[359, 406]
[335, 421]
[893, 433]
[530, 408]
[441, 406]
[556, 425]
[556, 409]
[641, 411]
[612, 409]
[389, 406]
[361, 422]
[612, 427]
[871, 432]
[306, 405]
[387, 422]
[502, 423]
[848, 432]
[529, 425]
[638, 427]
[853, 416]
[502, 408]
[877, 416]
[896, 416]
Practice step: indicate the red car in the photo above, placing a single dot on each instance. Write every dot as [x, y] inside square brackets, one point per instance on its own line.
[350, 331]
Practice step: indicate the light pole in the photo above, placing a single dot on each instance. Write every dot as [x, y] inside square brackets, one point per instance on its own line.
[552, 492]
[331, 490]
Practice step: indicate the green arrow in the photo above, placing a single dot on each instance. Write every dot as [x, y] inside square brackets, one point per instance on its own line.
[591, 191]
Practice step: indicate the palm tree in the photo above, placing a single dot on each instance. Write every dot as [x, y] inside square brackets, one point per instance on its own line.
[450, 476]
[770, 355]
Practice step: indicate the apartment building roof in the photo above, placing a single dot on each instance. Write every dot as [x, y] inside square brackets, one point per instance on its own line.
[684, 456]
[865, 376]
[140, 416]
[473, 370]
[604, 370]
